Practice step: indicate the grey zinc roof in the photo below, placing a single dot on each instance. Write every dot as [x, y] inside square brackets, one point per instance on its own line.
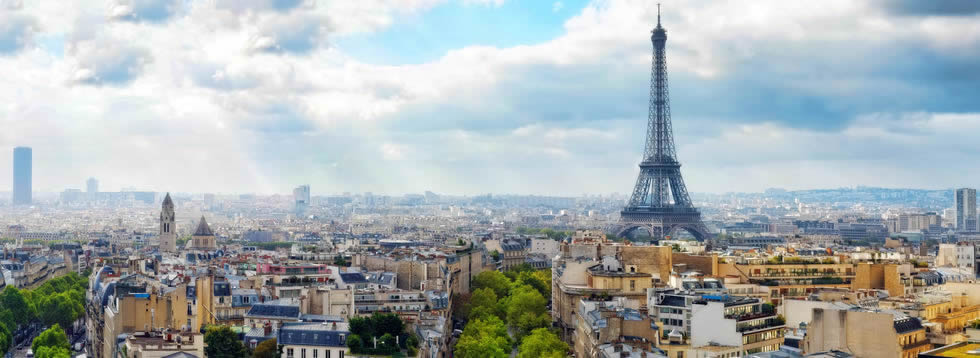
[314, 334]
[222, 289]
[203, 229]
[267, 310]
[353, 277]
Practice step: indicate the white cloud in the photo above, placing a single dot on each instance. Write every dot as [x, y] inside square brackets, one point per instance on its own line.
[557, 6]
[252, 94]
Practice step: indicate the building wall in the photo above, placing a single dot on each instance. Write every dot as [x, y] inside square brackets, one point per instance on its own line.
[204, 308]
[655, 260]
[864, 334]
[707, 265]
[322, 352]
[547, 247]
[800, 311]
[155, 312]
[879, 277]
[708, 325]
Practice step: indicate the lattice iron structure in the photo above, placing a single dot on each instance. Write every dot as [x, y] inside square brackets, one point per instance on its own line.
[660, 202]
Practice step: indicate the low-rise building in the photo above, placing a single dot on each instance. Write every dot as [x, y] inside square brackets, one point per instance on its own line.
[314, 340]
[732, 321]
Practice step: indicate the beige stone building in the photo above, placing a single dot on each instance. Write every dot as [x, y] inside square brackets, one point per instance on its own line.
[203, 238]
[865, 333]
[605, 322]
[596, 268]
[165, 345]
[134, 303]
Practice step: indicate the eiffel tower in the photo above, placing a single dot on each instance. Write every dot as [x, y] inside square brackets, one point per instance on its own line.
[660, 202]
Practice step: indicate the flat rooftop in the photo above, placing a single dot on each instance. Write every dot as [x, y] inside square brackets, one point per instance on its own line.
[963, 349]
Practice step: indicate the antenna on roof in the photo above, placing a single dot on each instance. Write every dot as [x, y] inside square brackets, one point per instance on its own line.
[658, 14]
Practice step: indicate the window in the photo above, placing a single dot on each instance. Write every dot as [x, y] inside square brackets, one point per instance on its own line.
[289, 353]
[328, 352]
[632, 285]
[341, 354]
[315, 352]
[302, 353]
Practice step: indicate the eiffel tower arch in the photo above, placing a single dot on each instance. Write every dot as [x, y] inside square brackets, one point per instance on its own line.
[660, 203]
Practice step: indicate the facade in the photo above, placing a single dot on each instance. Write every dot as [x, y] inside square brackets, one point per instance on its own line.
[130, 304]
[313, 340]
[966, 209]
[865, 333]
[23, 167]
[960, 255]
[168, 226]
[514, 253]
[165, 345]
[595, 268]
[606, 322]
[733, 321]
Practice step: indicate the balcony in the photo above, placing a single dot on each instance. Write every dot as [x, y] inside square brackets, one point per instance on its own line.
[750, 316]
[767, 324]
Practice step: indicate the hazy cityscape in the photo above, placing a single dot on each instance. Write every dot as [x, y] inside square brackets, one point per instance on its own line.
[289, 179]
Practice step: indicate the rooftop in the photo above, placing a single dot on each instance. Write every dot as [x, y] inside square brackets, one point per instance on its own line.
[962, 349]
[203, 229]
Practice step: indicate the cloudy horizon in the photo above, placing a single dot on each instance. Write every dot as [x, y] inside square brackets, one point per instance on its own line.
[486, 96]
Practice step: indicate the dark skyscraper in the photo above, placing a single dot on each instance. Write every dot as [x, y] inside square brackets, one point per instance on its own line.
[22, 176]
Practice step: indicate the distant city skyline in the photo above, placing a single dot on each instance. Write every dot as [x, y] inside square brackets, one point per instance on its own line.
[500, 97]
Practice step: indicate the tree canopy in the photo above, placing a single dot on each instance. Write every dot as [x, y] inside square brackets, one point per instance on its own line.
[542, 343]
[526, 310]
[484, 338]
[52, 337]
[267, 349]
[52, 352]
[494, 280]
[222, 342]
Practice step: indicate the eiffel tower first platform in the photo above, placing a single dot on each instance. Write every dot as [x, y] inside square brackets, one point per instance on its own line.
[660, 203]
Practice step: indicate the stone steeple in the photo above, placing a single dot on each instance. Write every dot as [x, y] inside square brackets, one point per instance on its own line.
[168, 226]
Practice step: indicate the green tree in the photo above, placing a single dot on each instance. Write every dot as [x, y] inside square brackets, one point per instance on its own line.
[13, 300]
[6, 339]
[540, 280]
[542, 343]
[355, 343]
[516, 270]
[526, 310]
[222, 342]
[387, 343]
[60, 309]
[267, 349]
[52, 337]
[7, 320]
[484, 338]
[361, 326]
[494, 280]
[387, 323]
[52, 352]
[483, 302]
[495, 255]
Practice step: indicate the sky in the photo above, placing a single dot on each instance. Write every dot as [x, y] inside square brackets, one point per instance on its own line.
[486, 96]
